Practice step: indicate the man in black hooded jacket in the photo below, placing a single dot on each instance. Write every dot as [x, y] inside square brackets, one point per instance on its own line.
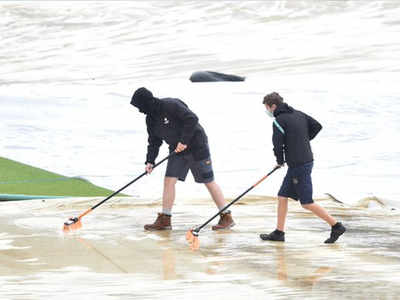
[171, 120]
[292, 132]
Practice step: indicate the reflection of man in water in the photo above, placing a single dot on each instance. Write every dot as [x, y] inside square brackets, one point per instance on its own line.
[304, 278]
[171, 120]
[292, 132]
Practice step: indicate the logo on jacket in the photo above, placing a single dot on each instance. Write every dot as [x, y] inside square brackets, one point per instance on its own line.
[166, 121]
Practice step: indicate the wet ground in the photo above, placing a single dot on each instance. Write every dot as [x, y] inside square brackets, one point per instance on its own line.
[112, 257]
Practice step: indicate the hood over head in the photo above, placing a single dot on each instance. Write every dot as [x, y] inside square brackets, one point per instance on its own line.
[144, 100]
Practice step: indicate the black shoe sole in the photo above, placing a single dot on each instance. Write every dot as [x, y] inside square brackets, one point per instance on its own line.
[333, 239]
[266, 237]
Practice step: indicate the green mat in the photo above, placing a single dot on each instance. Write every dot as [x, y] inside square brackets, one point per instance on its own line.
[20, 181]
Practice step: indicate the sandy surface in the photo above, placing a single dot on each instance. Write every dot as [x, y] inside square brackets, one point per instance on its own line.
[112, 257]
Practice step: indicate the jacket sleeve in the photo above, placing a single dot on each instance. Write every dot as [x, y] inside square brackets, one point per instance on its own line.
[278, 140]
[313, 127]
[154, 144]
[188, 118]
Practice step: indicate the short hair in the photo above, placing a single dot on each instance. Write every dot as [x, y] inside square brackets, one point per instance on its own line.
[273, 98]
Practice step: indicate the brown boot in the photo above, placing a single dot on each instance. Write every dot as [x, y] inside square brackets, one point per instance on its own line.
[163, 222]
[225, 221]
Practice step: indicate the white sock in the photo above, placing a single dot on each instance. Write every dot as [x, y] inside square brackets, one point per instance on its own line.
[166, 211]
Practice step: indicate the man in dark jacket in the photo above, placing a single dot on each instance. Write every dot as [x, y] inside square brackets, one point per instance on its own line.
[292, 132]
[171, 120]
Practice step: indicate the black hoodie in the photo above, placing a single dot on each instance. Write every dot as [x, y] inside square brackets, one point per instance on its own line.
[292, 133]
[174, 122]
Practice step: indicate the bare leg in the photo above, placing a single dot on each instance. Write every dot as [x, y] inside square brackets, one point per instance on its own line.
[225, 221]
[320, 212]
[169, 193]
[216, 194]
[282, 212]
[279, 233]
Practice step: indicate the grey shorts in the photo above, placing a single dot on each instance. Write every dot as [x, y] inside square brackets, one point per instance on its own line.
[179, 165]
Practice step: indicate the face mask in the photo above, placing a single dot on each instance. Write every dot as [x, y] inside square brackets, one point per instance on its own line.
[270, 114]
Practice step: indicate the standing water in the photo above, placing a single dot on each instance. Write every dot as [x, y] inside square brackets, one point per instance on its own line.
[68, 70]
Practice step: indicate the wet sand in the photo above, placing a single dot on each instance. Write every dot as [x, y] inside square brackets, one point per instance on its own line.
[112, 257]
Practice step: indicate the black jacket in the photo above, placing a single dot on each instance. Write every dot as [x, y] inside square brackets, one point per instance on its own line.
[292, 132]
[172, 121]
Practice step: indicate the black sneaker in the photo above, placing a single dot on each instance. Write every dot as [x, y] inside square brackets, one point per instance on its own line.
[337, 230]
[275, 235]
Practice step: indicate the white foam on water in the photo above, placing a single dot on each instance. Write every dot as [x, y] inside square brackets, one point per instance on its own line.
[139, 238]
[40, 223]
[8, 245]
[89, 236]
[28, 260]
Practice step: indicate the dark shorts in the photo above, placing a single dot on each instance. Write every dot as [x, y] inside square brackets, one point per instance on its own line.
[179, 166]
[297, 184]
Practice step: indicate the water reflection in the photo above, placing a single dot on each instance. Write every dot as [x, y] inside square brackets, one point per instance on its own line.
[168, 254]
[116, 253]
[90, 246]
[307, 278]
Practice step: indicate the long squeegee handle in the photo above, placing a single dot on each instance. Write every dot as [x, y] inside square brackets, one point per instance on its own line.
[240, 196]
[134, 180]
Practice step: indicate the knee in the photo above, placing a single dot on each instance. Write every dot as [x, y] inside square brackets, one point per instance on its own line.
[282, 199]
[169, 181]
[307, 206]
[211, 184]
